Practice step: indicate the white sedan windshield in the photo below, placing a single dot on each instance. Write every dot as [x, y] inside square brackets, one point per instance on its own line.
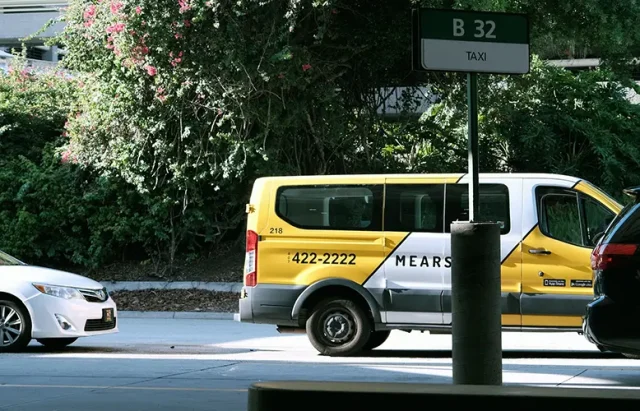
[6, 259]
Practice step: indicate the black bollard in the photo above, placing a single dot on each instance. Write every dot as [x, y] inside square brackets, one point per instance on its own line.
[475, 305]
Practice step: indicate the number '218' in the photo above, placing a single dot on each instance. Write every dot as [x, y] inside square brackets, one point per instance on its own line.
[326, 258]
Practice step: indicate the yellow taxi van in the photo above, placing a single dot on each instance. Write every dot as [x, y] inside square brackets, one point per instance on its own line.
[348, 258]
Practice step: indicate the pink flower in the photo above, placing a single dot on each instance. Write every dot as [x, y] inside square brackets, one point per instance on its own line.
[178, 36]
[184, 6]
[306, 67]
[90, 12]
[160, 94]
[177, 60]
[68, 156]
[141, 50]
[187, 23]
[138, 10]
[116, 6]
[152, 71]
[117, 28]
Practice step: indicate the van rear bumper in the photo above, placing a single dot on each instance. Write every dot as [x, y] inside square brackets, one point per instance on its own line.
[269, 304]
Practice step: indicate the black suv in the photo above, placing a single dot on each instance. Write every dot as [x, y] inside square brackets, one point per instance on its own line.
[612, 320]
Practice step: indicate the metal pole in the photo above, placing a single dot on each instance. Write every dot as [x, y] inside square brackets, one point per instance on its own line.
[472, 101]
[475, 280]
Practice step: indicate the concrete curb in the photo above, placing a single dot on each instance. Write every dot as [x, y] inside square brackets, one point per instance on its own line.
[179, 315]
[166, 285]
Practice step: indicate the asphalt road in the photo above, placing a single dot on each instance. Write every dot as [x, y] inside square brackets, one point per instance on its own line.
[172, 364]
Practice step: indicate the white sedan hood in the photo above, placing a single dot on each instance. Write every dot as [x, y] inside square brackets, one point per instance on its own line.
[49, 276]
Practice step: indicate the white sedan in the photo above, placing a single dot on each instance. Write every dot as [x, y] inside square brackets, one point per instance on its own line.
[53, 307]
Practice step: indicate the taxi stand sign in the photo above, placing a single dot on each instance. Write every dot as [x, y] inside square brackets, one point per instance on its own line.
[473, 42]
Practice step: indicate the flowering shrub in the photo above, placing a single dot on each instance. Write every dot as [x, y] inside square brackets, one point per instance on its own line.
[189, 100]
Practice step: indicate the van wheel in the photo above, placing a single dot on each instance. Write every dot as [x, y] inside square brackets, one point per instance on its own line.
[338, 327]
[376, 340]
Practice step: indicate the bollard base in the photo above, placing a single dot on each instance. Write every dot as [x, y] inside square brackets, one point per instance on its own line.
[475, 304]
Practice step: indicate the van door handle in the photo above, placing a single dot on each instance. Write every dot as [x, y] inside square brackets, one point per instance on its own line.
[539, 251]
[386, 242]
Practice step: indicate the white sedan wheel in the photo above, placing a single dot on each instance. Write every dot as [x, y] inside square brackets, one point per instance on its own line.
[14, 327]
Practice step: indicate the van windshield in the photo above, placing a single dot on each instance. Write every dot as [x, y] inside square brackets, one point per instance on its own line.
[602, 193]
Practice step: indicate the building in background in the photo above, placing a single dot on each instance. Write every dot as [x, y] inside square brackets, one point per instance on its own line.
[22, 18]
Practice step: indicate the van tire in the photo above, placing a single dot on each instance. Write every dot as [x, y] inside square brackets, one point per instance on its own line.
[376, 340]
[345, 313]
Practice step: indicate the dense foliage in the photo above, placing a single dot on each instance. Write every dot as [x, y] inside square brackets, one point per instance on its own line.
[178, 105]
[53, 211]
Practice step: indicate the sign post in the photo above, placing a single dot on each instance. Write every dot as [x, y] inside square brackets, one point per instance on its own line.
[473, 42]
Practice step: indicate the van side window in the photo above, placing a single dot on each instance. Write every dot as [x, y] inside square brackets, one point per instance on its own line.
[570, 216]
[493, 205]
[560, 216]
[331, 207]
[414, 208]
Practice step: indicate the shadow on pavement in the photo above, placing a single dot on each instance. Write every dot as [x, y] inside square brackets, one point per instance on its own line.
[140, 349]
[510, 354]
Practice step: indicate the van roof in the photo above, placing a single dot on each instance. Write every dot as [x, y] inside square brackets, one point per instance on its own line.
[540, 176]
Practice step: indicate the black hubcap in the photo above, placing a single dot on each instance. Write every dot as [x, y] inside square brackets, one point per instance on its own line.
[338, 327]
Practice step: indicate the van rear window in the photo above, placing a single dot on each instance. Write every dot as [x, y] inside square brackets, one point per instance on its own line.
[331, 207]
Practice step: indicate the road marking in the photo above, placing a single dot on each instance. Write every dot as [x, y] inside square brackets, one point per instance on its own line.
[111, 387]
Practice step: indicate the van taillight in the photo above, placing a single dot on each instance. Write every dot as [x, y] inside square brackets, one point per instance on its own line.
[251, 260]
[606, 255]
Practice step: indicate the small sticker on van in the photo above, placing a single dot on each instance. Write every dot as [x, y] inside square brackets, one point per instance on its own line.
[582, 283]
[550, 282]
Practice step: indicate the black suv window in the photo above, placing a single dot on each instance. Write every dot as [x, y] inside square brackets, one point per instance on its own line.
[626, 227]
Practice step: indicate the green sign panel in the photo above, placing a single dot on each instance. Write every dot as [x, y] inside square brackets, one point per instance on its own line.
[472, 42]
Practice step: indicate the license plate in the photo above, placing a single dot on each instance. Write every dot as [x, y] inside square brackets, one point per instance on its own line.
[107, 315]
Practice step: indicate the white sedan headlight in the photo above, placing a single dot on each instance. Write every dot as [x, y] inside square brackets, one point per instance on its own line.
[67, 293]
